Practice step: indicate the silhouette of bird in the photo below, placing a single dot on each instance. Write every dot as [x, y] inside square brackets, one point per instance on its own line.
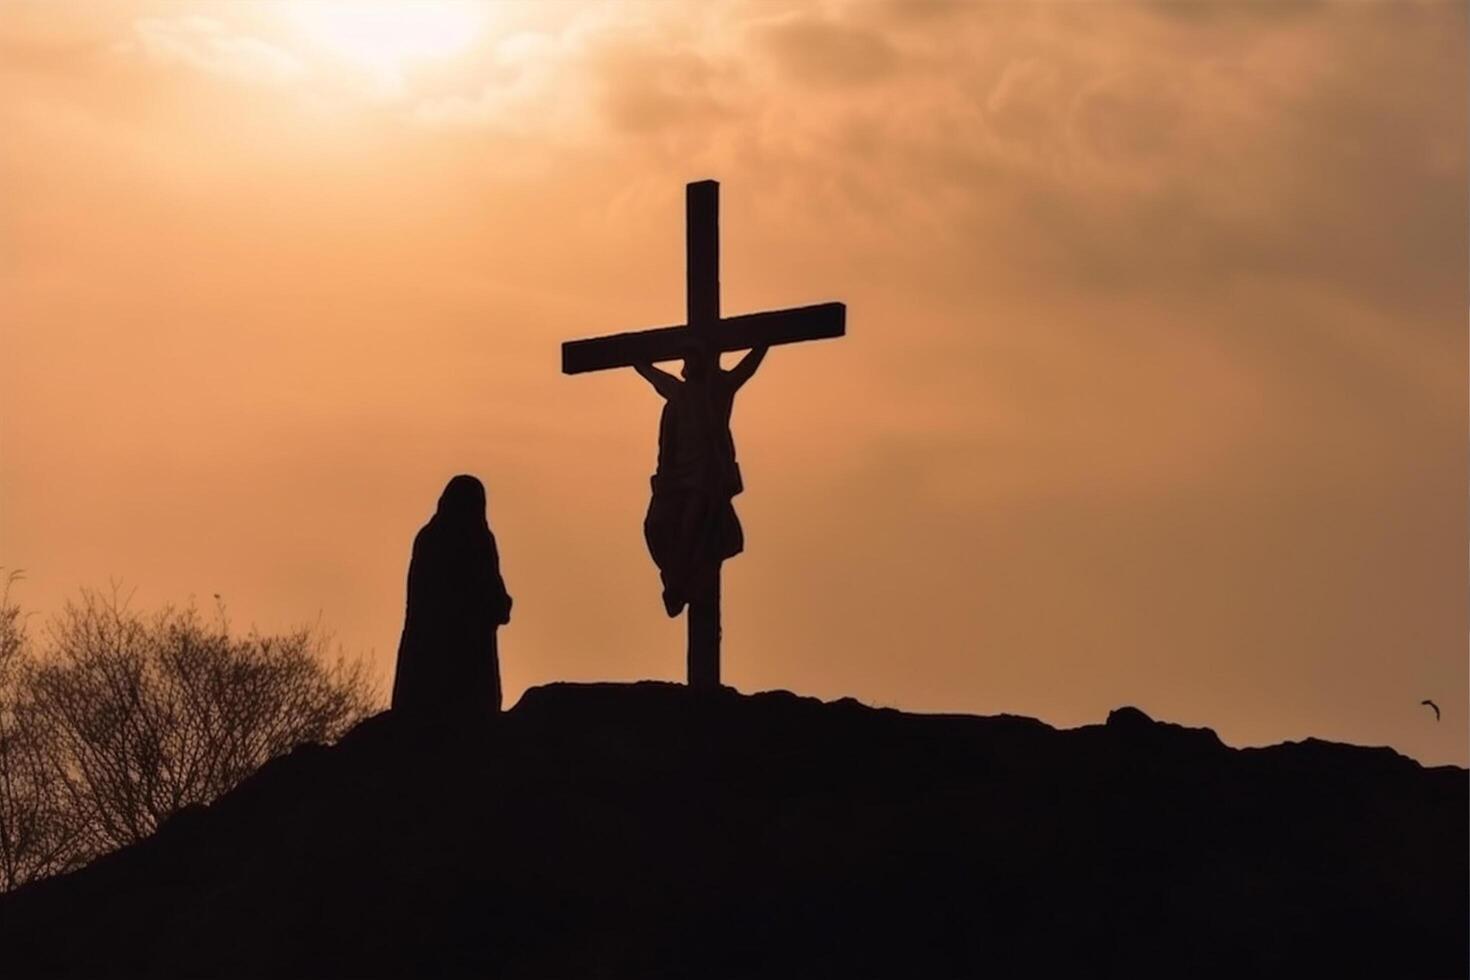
[1432, 705]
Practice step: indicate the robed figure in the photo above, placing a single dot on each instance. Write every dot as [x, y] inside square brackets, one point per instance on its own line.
[448, 663]
[691, 526]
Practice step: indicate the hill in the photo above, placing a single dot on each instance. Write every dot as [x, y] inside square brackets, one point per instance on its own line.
[644, 830]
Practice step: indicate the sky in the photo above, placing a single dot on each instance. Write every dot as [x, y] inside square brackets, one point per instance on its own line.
[1153, 393]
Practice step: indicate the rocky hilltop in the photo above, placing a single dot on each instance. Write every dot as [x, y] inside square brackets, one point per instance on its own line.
[646, 831]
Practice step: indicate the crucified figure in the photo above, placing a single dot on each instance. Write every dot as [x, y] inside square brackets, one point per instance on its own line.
[691, 525]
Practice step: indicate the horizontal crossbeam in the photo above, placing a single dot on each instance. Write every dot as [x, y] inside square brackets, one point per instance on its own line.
[732, 333]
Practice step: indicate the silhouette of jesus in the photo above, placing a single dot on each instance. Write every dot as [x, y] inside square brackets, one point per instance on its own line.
[448, 663]
[691, 525]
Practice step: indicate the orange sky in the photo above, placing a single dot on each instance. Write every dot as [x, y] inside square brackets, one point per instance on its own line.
[1154, 389]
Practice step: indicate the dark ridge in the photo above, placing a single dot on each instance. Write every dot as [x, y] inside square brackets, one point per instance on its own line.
[644, 830]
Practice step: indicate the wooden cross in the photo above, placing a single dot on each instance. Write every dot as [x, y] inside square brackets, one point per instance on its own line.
[702, 277]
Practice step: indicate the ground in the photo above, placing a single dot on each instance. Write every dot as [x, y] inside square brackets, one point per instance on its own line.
[646, 830]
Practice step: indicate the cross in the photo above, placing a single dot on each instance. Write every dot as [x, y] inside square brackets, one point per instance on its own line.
[702, 279]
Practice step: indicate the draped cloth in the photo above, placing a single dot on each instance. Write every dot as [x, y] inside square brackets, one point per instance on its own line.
[691, 525]
[448, 661]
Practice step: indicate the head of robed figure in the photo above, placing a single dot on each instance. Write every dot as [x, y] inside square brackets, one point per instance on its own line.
[463, 502]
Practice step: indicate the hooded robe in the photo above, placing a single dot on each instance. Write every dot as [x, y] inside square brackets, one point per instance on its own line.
[448, 662]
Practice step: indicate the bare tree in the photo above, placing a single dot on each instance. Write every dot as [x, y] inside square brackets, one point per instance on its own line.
[148, 714]
[39, 834]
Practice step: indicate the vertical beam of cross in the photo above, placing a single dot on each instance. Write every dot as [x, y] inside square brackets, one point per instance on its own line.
[702, 252]
[702, 282]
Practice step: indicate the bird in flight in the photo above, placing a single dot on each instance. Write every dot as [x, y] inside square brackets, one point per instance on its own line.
[1432, 705]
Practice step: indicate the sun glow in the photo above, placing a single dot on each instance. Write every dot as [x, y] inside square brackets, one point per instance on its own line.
[386, 34]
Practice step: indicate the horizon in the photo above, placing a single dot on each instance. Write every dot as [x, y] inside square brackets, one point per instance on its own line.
[1153, 391]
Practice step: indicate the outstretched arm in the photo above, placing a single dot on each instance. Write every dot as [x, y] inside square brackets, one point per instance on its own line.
[663, 382]
[741, 372]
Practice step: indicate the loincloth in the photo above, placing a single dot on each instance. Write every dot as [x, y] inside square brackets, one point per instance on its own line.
[689, 533]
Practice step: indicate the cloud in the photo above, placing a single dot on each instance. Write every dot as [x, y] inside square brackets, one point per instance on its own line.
[625, 71]
[207, 45]
[1113, 148]
[825, 51]
[515, 92]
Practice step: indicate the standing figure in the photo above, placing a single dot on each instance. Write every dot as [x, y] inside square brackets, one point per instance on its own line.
[691, 527]
[448, 663]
